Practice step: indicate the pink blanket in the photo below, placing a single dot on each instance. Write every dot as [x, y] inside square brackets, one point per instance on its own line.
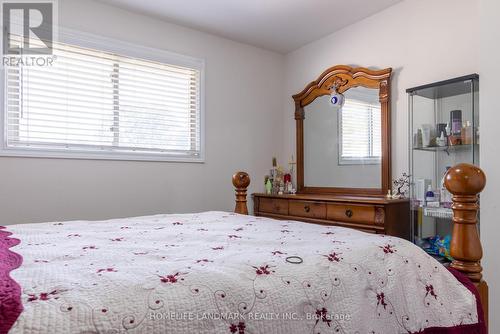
[10, 292]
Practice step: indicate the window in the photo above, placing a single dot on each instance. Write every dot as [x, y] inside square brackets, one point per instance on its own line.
[360, 129]
[102, 104]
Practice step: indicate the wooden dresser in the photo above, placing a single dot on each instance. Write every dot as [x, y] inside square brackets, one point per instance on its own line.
[369, 214]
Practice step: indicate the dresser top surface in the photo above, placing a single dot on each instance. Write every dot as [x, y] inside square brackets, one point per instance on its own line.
[333, 198]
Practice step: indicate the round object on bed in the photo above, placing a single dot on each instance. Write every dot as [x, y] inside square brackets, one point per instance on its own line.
[294, 259]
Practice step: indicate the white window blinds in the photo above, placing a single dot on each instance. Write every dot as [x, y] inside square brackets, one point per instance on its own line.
[360, 128]
[94, 101]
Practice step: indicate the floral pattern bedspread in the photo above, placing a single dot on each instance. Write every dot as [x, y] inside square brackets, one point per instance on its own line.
[218, 272]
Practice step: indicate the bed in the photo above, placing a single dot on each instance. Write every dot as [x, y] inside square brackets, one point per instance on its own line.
[219, 272]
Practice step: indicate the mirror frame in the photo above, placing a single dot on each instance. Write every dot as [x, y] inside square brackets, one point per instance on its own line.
[344, 77]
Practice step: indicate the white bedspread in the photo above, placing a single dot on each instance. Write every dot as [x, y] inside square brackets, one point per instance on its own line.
[217, 272]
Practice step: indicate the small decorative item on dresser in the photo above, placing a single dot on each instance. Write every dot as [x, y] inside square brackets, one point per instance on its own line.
[287, 178]
[292, 164]
[401, 186]
[269, 186]
[278, 184]
[280, 181]
[290, 189]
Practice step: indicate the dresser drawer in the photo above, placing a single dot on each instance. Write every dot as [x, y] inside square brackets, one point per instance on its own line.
[373, 214]
[351, 213]
[273, 205]
[307, 209]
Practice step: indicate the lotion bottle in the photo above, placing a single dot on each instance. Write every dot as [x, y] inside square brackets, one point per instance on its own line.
[429, 195]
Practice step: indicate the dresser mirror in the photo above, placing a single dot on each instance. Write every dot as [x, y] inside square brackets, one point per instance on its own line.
[344, 148]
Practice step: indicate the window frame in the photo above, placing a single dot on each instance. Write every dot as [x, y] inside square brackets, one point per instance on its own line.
[111, 45]
[344, 161]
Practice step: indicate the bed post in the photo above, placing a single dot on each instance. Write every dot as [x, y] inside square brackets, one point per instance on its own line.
[241, 181]
[465, 182]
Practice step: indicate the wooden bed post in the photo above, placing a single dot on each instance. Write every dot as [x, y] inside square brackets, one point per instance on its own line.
[465, 182]
[241, 181]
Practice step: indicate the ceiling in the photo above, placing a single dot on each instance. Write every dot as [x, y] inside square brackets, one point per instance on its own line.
[277, 25]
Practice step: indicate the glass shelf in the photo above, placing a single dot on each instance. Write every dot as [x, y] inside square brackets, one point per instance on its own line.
[442, 109]
[446, 148]
[439, 212]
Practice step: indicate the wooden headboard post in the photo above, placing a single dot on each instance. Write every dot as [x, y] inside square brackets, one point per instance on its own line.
[465, 182]
[241, 181]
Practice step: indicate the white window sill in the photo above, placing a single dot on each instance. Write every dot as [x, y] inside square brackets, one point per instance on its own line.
[354, 161]
[57, 154]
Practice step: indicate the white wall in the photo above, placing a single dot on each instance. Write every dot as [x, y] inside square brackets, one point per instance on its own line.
[489, 71]
[243, 131]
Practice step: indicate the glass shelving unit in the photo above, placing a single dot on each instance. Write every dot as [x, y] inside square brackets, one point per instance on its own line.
[444, 131]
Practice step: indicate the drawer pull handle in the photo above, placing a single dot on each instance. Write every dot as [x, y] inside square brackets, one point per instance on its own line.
[307, 208]
[348, 213]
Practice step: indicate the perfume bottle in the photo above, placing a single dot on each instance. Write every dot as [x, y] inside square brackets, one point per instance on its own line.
[466, 134]
[456, 122]
[456, 128]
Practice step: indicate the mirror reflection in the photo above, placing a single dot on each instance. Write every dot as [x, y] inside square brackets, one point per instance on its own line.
[343, 147]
